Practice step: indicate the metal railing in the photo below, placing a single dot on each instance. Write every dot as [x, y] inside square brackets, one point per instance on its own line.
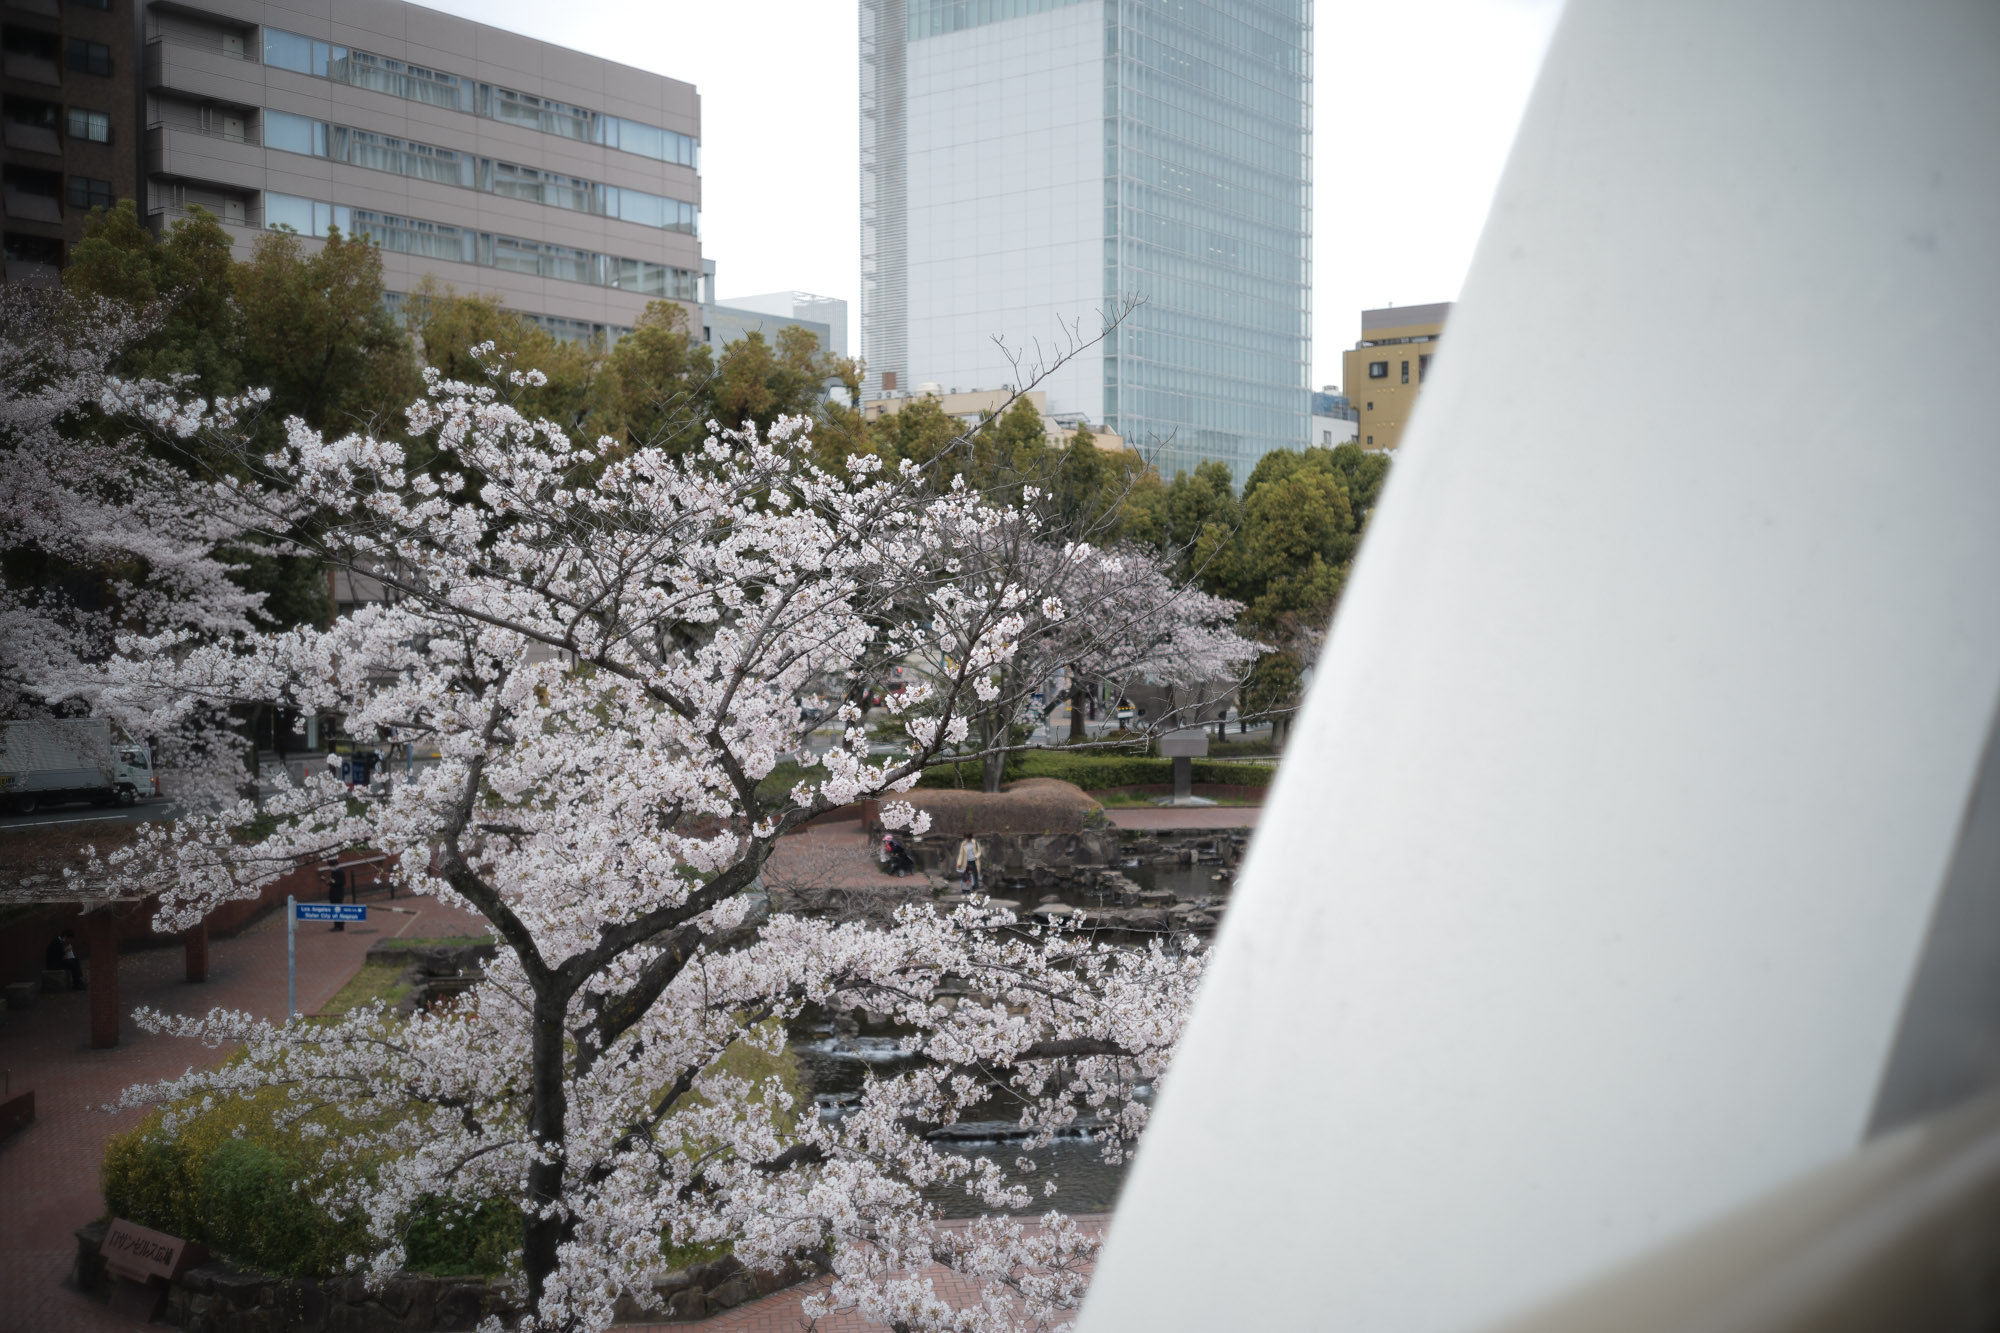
[247, 135]
[1902, 1234]
[207, 40]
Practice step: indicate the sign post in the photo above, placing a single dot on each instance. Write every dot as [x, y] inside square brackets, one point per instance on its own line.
[295, 912]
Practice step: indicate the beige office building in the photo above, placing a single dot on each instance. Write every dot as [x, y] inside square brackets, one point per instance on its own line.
[1386, 369]
[566, 184]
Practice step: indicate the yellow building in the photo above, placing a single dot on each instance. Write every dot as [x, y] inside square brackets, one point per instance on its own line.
[1387, 367]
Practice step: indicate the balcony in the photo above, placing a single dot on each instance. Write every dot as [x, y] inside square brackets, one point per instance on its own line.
[23, 137]
[27, 67]
[183, 152]
[31, 207]
[205, 69]
[32, 273]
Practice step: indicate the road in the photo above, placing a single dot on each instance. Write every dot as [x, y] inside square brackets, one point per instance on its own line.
[163, 808]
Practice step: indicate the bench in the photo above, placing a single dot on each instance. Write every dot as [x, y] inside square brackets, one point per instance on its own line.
[54, 979]
[21, 994]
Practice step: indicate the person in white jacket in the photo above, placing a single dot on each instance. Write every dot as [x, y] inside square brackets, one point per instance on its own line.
[968, 862]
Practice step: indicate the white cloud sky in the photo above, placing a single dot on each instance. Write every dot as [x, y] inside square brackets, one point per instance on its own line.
[1416, 103]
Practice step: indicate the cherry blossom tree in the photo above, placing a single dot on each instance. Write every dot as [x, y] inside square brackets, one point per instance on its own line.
[1115, 618]
[608, 649]
[101, 537]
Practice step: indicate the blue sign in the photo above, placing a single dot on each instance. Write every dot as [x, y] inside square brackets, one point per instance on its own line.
[332, 912]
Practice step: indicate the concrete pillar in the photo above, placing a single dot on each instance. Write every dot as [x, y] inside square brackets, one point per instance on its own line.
[197, 950]
[101, 936]
[1593, 898]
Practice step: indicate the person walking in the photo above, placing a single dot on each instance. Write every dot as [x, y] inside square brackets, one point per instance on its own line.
[61, 954]
[336, 886]
[968, 863]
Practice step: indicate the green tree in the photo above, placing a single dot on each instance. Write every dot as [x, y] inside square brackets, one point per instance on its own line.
[317, 334]
[759, 382]
[188, 274]
[447, 325]
[653, 388]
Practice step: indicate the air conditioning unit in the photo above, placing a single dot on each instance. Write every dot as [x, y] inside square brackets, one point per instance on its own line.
[232, 212]
[232, 44]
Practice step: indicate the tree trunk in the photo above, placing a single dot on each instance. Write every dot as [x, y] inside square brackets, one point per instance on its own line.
[1076, 702]
[991, 769]
[251, 787]
[548, 1106]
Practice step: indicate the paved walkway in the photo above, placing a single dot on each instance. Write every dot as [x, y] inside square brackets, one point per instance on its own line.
[48, 1172]
[1186, 817]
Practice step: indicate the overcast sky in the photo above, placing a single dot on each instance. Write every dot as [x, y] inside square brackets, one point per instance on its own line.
[1416, 104]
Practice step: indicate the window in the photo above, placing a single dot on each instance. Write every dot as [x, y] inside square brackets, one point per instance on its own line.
[294, 134]
[1378, 370]
[1371, 407]
[89, 57]
[288, 50]
[1423, 367]
[307, 217]
[94, 126]
[86, 192]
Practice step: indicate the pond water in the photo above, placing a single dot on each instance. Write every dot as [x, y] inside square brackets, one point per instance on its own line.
[837, 1066]
[835, 1069]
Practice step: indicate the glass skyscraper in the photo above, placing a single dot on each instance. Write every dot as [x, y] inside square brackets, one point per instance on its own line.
[1033, 168]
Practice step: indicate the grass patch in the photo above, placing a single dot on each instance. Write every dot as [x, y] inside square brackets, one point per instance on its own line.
[1101, 771]
[375, 981]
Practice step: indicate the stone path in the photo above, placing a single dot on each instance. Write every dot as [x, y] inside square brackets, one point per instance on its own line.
[48, 1172]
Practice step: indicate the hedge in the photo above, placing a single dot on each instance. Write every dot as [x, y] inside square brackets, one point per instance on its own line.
[1100, 771]
[229, 1177]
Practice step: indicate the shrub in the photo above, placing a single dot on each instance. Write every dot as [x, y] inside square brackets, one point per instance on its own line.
[226, 1178]
[446, 1239]
[1101, 770]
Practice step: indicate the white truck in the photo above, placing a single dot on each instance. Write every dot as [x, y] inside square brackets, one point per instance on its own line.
[50, 761]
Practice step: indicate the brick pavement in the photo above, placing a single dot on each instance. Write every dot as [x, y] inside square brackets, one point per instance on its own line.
[48, 1172]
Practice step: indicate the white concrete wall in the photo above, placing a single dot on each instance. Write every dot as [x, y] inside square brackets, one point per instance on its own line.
[1006, 201]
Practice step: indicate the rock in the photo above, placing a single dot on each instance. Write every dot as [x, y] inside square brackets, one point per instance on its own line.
[399, 1295]
[21, 994]
[687, 1306]
[733, 1293]
[460, 1307]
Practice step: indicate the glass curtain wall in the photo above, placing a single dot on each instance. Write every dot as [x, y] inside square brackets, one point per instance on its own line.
[1208, 217]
